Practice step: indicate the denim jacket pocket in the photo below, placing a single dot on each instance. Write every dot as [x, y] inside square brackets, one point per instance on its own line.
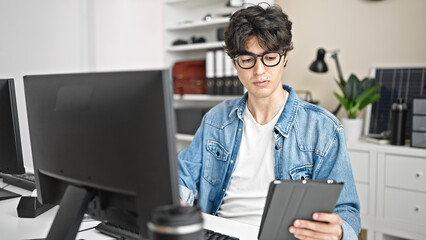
[301, 172]
[215, 162]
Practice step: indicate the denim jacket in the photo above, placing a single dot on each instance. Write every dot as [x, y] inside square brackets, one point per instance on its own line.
[309, 144]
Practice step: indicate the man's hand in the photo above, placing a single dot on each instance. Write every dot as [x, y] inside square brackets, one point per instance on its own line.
[182, 203]
[330, 227]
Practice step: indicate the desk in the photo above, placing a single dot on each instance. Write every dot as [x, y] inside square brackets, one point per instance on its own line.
[14, 228]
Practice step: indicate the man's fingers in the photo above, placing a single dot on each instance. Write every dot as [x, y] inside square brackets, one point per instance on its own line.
[327, 217]
[315, 226]
[327, 226]
[303, 233]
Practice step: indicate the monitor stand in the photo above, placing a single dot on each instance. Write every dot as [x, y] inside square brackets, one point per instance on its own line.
[4, 194]
[30, 207]
[70, 214]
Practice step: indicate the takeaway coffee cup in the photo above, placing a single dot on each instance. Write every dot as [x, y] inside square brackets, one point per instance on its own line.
[176, 223]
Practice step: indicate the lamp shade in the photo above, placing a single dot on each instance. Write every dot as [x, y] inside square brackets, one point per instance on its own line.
[319, 65]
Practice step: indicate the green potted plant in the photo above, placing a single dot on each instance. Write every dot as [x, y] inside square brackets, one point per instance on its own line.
[356, 95]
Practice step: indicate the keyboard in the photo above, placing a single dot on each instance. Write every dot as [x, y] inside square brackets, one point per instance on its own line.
[212, 235]
[120, 232]
[117, 231]
[25, 181]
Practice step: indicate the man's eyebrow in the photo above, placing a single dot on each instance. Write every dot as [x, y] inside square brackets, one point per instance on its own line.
[250, 53]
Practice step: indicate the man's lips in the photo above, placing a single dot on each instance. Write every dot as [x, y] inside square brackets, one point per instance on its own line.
[261, 83]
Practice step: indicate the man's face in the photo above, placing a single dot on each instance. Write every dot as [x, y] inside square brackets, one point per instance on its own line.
[261, 81]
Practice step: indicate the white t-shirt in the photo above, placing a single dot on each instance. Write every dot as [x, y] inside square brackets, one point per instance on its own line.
[254, 170]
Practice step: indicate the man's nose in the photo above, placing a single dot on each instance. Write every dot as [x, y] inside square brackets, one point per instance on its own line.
[259, 67]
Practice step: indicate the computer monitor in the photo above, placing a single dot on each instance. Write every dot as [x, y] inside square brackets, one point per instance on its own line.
[104, 144]
[11, 161]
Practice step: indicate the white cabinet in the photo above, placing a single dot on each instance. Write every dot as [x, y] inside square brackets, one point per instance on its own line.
[391, 185]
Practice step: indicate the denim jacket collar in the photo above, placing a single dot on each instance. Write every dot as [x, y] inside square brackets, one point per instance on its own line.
[286, 120]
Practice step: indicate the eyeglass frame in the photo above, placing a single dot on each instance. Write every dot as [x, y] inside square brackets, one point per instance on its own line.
[260, 55]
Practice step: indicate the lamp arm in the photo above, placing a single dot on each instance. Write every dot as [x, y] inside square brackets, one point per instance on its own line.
[339, 70]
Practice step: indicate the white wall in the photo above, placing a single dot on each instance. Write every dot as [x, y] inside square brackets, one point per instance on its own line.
[50, 36]
[40, 37]
[128, 34]
[368, 33]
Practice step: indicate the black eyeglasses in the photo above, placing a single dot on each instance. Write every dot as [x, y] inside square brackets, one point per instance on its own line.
[269, 59]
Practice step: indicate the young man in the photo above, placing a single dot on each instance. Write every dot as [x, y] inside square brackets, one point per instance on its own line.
[245, 143]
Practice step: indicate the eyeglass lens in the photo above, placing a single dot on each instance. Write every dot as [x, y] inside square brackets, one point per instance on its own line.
[269, 59]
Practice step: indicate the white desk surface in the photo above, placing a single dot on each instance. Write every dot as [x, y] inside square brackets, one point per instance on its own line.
[14, 228]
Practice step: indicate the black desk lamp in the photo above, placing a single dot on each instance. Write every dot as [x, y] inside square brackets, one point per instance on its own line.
[319, 66]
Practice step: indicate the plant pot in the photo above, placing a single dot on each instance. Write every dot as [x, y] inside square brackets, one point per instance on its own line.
[353, 128]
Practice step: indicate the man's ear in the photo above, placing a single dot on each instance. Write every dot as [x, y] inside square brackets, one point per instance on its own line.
[233, 62]
[285, 60]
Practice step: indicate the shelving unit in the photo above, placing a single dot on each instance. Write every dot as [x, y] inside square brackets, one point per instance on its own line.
[195, 46]
[199, 24]
[202, 97]
[184, 19]
[192, 3]
[198, 100]
[184, 137]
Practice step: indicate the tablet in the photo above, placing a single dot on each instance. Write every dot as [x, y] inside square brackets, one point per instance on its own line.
[290, 200]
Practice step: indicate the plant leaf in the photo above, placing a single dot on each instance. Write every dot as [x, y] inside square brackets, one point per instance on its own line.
[369, 100]
[366, 94]
[342, 101]
[350, 88]
[367, 83]
[342, 88]
[357, 94]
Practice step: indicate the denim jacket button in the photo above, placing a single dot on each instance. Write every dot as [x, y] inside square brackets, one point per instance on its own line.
[277, 147]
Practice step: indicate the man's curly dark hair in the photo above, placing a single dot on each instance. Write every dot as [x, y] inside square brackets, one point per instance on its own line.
[270, 25]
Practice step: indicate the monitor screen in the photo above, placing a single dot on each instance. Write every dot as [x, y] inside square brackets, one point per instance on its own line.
[10, 141]
[104, 144]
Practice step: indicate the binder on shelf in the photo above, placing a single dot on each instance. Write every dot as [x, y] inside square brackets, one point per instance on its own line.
[219, 69]
[210, 71]
[237, 86]
[229, 66]
[221, 75]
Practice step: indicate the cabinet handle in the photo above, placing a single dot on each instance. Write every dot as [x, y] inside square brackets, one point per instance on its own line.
[419, 174]
[417, 209]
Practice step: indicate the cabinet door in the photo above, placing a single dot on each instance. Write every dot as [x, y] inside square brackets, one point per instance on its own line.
[360, 167]
[407, 206]
[405, 172]
[362, 190]
[360, 163]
